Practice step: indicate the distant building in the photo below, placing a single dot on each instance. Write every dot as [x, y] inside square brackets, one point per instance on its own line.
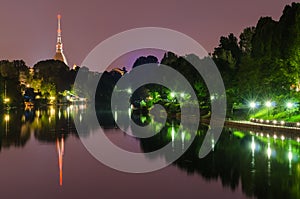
[59, 55]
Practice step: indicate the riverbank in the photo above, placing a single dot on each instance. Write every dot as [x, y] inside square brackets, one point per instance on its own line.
[292, 131]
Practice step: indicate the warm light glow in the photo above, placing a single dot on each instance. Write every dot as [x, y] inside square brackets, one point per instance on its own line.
[52, 111]
[6, 100]
[261, 120]
[6, 117]
[38, 113]
[52, 98]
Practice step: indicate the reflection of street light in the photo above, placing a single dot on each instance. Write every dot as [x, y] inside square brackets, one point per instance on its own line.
[6, 100]
[269, 151]
[6, 117]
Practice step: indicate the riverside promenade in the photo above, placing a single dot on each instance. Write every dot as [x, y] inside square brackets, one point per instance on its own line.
[292, 131]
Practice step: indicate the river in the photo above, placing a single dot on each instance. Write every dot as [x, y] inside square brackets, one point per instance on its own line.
[42, 156]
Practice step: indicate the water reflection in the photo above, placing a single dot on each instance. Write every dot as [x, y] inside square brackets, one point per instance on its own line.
[263, 164]
[60, 146]
[50, 125]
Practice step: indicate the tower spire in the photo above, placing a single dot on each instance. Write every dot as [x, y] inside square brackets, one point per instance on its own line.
[58, 29]
[59, 55]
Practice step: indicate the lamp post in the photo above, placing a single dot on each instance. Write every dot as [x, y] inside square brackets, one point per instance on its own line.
[252, 105]
[268, 105]
[289, 105]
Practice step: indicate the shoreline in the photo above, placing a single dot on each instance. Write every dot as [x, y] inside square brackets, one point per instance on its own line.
[259, 128]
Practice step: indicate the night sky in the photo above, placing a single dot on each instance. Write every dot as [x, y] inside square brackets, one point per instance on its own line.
[28, 28]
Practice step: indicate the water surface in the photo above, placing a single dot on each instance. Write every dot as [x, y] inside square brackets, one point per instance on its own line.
[41, 156]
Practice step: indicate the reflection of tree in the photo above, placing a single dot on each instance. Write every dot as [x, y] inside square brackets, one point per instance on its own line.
[231, 162]
[11, 134]
[47, 125]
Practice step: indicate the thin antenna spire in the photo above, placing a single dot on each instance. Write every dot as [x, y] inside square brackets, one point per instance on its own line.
[58, 29]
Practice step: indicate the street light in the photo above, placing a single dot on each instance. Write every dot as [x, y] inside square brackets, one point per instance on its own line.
[289, 105]
[252, 105]
[172, 94]
[129, 91]
[268, 105]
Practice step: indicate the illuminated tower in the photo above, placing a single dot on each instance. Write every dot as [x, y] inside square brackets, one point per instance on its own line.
[59, 55]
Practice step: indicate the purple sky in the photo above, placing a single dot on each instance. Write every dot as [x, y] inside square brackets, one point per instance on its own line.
[28, 28]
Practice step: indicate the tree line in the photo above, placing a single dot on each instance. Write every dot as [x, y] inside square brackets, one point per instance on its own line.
[263, 63]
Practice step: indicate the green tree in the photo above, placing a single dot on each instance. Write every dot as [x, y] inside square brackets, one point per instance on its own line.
[245, 42]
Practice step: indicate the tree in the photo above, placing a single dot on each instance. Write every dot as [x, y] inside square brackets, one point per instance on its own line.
[227, 57]
[11, 85]
[54, 72]
[145, 60]
[245, 42]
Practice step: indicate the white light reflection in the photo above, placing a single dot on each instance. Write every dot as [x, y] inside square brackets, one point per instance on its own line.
[253, 146]
[173, 135]
[269, 151]
[182, 139]
[213, 144]
[290, 157]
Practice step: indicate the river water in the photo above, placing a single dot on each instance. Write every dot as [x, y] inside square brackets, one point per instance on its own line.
[42, 156]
